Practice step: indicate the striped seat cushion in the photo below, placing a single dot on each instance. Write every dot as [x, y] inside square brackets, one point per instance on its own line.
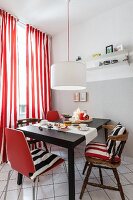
[44, 161]
[99, 151]
[118, 130]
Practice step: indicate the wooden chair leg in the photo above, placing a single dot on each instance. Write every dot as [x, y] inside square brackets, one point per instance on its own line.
[85, 167]
[119, 184]
[101, 177]
[85, 181]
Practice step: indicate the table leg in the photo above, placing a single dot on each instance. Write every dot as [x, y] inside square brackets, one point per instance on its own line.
[19, 181]
[71, 174]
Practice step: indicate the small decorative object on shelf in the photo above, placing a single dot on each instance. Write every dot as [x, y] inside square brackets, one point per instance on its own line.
[118, 48]
[76, 96]
[79, 58]
[114, 61]
[106, 62]
[100, 64]
[109, 49]
[83, 96]
[126, 59]
[95, 55]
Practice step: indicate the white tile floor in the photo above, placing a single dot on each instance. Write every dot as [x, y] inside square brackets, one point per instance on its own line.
[53, 185]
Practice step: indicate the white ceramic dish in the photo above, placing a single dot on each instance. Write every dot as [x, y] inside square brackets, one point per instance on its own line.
[84, 129]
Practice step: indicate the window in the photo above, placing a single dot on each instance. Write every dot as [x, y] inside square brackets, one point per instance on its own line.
[21, 30]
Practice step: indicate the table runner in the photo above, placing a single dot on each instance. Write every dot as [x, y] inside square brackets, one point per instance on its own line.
[89, 134]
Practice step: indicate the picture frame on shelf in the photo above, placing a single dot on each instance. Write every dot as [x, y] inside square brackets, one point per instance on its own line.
[109, 49]
[76, 97]
[83, 96]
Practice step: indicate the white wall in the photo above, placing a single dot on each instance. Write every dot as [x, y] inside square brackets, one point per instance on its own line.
[111, 98]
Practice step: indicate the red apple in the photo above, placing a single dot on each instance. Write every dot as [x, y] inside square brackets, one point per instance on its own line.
[86, 117]
[81, 116]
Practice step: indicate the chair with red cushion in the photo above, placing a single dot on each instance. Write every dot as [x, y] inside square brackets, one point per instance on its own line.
[28, 163]
[106, 156]
[53, 116]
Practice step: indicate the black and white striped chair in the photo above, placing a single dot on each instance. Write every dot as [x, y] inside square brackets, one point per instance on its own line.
[107, 156]
[28, 163]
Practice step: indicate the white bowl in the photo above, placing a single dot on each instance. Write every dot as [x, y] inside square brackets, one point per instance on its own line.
[83, 126]
[44, 122]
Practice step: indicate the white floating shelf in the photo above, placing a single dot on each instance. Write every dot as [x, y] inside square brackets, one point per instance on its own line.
[99, 62]
[113, 55]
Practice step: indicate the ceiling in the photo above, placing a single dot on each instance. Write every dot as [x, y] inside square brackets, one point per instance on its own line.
[50, 16]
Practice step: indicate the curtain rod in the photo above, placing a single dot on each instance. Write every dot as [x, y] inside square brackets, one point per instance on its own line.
[18, 20]
[21, 22]
[33, 27]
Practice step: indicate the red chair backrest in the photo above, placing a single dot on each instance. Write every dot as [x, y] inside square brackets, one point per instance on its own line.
[18, 152]
[53, 116]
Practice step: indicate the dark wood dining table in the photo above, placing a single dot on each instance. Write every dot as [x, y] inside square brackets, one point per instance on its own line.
[66, 140]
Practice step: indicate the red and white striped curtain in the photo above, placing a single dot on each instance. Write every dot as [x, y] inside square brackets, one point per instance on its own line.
[37, 73]
[8, 77]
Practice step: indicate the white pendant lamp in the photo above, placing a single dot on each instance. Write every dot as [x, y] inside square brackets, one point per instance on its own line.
[68, 75]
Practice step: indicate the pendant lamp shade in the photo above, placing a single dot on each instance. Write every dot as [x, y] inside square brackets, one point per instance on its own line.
[68, 76]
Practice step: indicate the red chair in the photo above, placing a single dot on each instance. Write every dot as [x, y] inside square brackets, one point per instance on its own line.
[32, 142]
[28, 163]
[53, 116]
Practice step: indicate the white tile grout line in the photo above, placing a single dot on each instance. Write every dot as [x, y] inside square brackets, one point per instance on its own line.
[19, 192]
[53, 184]
[1, 194]
[128, 167]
